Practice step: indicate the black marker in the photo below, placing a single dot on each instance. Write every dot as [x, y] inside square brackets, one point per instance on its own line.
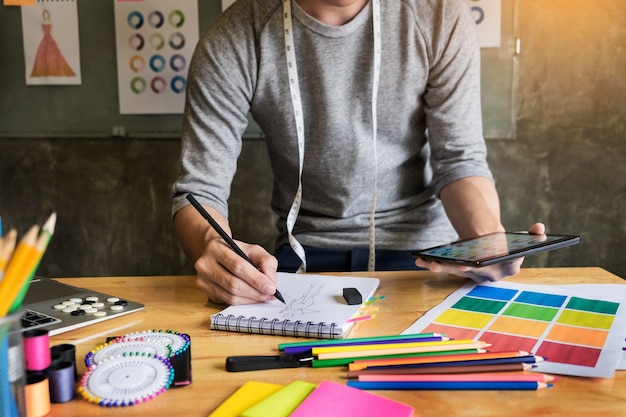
[227, 238]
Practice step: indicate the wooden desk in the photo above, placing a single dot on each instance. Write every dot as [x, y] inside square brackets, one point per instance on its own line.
[174, 302]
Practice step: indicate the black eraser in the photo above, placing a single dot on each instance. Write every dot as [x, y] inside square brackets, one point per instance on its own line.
[352, 296]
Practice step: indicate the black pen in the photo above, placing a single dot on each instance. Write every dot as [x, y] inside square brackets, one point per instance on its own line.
[225, 236]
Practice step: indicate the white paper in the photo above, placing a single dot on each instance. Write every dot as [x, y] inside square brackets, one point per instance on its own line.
[488, 17]
[51, 43]
[155, 40]
[308, 299]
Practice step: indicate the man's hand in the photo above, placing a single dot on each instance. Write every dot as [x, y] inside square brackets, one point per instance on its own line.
[223, 274]
[228, 278]
[486, 273]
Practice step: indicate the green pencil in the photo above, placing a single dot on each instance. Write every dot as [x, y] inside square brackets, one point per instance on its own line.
[316, 343]
[47, 230]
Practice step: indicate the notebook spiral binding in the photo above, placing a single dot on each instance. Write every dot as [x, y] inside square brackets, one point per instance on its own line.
[276, 327]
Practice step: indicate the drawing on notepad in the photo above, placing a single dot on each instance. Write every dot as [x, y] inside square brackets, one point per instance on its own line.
[304, 304]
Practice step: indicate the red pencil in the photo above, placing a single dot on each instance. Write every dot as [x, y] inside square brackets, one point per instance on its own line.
[366, 363]
[486, 377]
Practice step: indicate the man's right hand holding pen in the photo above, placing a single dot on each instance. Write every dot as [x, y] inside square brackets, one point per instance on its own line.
[225, 275]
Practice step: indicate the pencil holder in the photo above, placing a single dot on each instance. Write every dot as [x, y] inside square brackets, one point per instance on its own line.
[12, 371]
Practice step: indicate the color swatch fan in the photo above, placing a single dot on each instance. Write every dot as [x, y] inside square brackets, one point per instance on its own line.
[579, 332]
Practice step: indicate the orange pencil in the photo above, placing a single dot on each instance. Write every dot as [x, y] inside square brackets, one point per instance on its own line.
[17, 271]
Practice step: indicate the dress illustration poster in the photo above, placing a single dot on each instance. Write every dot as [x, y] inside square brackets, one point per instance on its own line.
[51, 43]
[154, 40]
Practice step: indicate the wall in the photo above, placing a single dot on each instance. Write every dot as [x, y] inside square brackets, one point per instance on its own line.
[565, 168]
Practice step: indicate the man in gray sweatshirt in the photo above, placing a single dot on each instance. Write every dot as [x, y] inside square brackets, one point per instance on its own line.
[372, 119]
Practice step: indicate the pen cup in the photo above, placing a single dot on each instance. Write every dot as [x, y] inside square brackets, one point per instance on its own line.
[12, 370]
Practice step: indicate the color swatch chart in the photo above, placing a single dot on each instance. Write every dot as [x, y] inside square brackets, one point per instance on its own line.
[580, 333]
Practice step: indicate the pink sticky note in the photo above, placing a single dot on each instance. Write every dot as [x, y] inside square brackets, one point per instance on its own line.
[331, 399]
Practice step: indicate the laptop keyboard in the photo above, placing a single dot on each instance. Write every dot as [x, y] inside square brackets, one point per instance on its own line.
[33, 319]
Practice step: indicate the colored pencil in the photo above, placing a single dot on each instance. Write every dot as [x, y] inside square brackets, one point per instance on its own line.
[368, 363]
[303, 349]
[8, 406]
[451, 385]
[506, 367]
[47, 230]
[495, 376]
[18, 269]
[435, 347]
[333, 342]
[317, 363]
[519, 359]
[7, 246]
[318, 350]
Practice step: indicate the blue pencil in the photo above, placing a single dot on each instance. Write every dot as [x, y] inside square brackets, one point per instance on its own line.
[451, 385]
[8, 406]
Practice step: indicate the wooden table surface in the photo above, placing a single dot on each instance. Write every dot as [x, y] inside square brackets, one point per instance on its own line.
[174, 303]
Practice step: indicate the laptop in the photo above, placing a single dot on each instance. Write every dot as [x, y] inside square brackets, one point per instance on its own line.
[59, 307]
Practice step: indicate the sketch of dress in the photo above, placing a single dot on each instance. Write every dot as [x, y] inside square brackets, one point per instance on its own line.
[49, 60]
[303, 304]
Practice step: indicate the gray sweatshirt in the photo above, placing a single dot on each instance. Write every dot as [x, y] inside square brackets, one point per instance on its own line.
[429, 118]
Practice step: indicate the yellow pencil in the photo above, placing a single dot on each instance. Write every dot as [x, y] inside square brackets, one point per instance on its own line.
[16, 272]
[382, 346]
[47, 230]
[7, 246]
[400, 351]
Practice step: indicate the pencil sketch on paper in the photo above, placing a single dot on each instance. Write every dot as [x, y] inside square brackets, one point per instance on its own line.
[305, 304]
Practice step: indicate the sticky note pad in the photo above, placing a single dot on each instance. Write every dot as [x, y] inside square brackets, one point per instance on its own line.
[245, 397]
[282, 402]
[331, 399]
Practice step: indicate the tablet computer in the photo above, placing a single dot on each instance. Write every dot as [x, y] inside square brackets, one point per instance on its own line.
[494, 247]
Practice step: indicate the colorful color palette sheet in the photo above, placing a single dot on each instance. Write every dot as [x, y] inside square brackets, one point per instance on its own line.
[579, 332]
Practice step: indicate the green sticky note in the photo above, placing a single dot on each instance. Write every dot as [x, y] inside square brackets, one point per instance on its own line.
[282, 402]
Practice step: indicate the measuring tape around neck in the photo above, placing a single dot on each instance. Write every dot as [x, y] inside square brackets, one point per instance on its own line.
[296, 100]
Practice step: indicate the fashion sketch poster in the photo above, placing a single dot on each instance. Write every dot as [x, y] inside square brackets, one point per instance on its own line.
[51, 43]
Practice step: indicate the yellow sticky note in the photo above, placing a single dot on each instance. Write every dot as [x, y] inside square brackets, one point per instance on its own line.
[245, 397]
[282, 402]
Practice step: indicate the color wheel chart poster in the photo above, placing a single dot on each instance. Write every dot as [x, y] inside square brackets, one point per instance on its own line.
[488, 17]
[155, 40]
[579, 332]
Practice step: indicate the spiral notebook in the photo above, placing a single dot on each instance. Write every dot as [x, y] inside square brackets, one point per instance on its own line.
[314, 307]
